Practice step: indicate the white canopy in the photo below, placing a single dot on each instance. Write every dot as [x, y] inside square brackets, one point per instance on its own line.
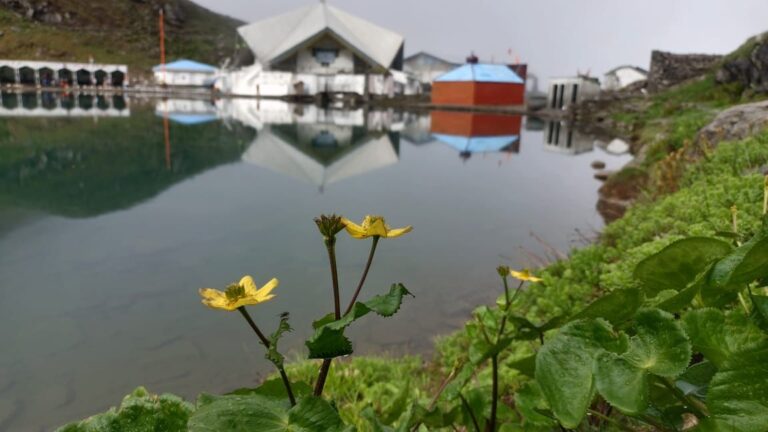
[274, 38]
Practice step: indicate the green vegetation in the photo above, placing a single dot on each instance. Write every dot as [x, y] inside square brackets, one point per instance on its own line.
[117, 31]
[661, 325]
[68, 167]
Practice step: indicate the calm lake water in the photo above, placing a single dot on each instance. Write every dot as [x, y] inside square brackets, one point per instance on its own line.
[107, 230]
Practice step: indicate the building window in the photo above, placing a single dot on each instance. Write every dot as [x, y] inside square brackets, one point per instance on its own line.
[325, 56]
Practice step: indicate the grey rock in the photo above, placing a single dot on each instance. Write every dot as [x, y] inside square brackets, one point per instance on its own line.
[751, 69]
[603, 175]
[739, 122]
[598, 165]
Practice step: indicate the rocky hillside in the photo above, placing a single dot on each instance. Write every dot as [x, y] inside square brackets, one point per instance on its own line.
[122, 31]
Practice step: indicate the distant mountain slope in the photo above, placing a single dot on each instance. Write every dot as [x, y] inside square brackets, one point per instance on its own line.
[122, 31]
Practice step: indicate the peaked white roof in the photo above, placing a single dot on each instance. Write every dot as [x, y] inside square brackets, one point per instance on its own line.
[272, 152]
[278, 36]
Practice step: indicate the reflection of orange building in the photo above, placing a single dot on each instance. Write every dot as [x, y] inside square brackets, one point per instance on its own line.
[479, 84]
[477, 132]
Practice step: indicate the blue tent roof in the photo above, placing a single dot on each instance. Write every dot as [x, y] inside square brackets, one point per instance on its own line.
[480, 144]
[186, 66]
[481, 73]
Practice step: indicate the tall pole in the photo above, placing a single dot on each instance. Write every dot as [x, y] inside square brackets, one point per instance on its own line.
[161, 26]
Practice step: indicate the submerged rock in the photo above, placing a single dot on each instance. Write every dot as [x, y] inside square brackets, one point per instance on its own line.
[598, 165]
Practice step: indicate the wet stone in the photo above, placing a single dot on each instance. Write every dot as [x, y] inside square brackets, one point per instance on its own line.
[598, 165]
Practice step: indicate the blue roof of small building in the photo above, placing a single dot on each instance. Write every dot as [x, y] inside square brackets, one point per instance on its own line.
[186, 66]
[480, 72]
[478, 144]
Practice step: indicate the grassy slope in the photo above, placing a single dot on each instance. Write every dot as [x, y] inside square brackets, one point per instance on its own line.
[118, 31]
[697, 204]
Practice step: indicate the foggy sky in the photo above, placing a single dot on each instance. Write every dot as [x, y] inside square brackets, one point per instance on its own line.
[556, 37]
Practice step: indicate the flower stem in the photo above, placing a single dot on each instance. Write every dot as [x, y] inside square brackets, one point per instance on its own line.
[330, 245]
[471, 413]
[265, 342]
[696, 407]
[365, 274]
[491, 426]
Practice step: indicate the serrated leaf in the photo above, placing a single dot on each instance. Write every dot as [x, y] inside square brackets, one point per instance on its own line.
[660, 346]
[275, 389]
[273, 354]
[139, 411]
[744, 265]
[622, 384]
[329, 341]
[237, 413]
[564, 367]
[675, 266]
[718, 336]
[616, 307]
[738, 393]
[683, 299]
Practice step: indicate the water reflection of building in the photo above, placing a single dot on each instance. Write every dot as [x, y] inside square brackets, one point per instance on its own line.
[320, 146]
[477, 133]
[187, 111]
[558, 137]
[47, 104]
[322, 154]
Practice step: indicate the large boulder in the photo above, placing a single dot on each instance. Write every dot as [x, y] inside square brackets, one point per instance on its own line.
[736, 123]
[747, 66]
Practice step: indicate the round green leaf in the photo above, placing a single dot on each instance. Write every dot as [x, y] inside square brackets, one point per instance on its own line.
[236, 413]
[678, 264]
[738, 393]
[564, 367]
[622, 384]
[744, 265]
[660, 345]
[718, 336]
[616, 307]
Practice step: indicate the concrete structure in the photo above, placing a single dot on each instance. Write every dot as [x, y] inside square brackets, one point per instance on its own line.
[559, 138]
[479, 84]
[184, 72]
[425, 67]
[62, 74]
[622, 76]
[566, 91]
[319, 49]
[47, 104]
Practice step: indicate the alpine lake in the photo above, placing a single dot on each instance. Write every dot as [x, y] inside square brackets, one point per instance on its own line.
[114, 211]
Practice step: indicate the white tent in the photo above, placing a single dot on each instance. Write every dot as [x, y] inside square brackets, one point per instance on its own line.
[274, 39]
[273, 152]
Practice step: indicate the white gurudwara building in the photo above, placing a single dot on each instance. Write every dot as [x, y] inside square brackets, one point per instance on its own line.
[319, 49]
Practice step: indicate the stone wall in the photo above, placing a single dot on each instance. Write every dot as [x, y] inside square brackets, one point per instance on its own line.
[668, 69]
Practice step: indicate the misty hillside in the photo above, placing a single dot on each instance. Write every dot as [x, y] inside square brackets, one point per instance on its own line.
[122, 31]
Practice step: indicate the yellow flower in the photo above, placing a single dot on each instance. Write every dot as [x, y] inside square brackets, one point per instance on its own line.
[373, 226]
[237, 295]
[524, 275]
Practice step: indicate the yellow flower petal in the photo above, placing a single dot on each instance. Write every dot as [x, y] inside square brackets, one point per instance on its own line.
[524, 275]
[263, 294]
[397, 232]
[242, 294]
[215, 299]
[373, 226]
[249, 285]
